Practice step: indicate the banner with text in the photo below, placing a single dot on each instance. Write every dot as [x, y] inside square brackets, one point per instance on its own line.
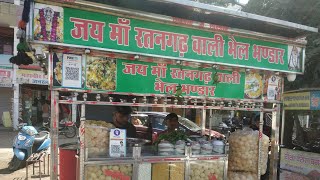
[119, 34]
[126, 76]
[287, 175]
[5, 77]
[305, 163]
[31, 77]
[297, 101]
[141, 77]
[315, 100]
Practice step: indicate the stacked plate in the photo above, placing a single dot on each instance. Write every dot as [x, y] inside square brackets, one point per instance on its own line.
[195, 146]
[180, 147]
[165, 148]
[206, 148]
[218, 147]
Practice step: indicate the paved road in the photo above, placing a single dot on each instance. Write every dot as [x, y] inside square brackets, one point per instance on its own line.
[6, 139]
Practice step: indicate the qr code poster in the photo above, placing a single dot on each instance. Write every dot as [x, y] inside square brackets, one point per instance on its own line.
[117, 144]
[71, 71]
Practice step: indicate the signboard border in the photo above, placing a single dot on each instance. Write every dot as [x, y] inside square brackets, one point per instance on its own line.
[278, 40]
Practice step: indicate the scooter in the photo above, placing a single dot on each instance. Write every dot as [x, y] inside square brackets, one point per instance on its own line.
[27, 142]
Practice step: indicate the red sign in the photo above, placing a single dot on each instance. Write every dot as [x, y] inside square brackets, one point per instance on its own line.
[212, 177]
[116, 175]
[5, 73]
[5, 77]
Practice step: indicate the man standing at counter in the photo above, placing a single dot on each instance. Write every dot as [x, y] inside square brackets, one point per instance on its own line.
[172, 123]
[121, 120]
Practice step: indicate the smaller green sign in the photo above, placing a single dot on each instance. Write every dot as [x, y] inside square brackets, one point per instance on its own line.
[152, 78]
[126, 76]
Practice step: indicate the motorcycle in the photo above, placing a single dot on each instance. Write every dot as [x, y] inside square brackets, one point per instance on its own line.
[66, 128]
[27, 142]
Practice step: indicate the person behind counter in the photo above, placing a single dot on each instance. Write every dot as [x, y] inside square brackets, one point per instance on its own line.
[266, 129]
[172, 123]
[121, 120]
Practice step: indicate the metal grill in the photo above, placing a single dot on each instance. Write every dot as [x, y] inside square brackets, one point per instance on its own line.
[269, 119]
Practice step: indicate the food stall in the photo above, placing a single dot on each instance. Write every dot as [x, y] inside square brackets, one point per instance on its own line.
[300, 137]
[97, 51]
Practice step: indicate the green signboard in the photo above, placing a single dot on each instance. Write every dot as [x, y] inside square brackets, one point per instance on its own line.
[126, 76]
[141, 77]
[129, 35]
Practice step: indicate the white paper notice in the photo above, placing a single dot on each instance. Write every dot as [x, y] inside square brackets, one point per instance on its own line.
[273, 84]
[117, 145]
[71, 71]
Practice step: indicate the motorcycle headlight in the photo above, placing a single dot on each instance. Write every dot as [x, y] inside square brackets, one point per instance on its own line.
[31, 132]
[21, 138]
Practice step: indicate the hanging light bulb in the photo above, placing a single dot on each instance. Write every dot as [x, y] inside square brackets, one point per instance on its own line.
[291, 77]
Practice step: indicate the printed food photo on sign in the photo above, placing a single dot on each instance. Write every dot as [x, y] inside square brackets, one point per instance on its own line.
[272, 87]
[295, 58]
[58, 70]
[48, 23]
[253, 86]
[101, 73]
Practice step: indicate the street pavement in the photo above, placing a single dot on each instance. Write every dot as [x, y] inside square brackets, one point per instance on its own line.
[6, 153]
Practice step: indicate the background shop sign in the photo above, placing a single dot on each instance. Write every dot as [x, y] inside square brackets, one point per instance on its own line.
[31, 77]
[297, 101]
[4, 61]
[315, 100]
[287, 175]
[305, 163]
[79, 27]
[5, 77]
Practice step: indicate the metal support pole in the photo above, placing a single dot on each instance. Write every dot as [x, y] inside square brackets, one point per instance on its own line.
[187, 169]
[54, 134]
[82, 140]
[225, 171]
[165, 101]
[210, 122]
[203, 121]
[283, 111]
[74, 108]
[260, 144]
[283, 120]
[275, 143]
[16, 86]
[136, 154]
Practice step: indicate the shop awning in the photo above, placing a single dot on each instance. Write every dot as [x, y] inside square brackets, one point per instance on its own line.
[200, 12]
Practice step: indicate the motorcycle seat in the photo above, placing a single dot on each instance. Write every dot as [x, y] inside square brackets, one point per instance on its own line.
[40, 137]
[38, 140]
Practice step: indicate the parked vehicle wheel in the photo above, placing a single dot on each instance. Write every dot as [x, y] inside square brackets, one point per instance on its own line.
[16, 163]
[70, 131]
